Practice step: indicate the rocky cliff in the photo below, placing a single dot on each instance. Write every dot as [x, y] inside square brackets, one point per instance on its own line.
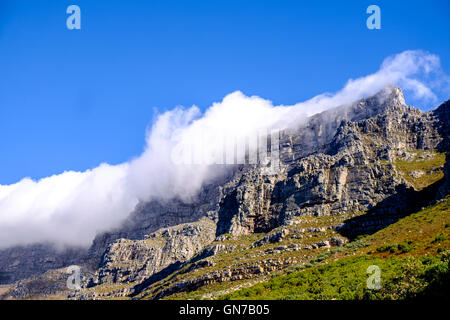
[358, 167]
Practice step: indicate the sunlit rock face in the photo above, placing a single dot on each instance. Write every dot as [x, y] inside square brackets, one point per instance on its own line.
[341, 160]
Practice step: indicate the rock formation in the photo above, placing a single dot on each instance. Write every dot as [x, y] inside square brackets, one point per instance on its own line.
[346, 160]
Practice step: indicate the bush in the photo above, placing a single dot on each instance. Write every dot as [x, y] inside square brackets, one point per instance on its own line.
[356, 244]
[439, 238]
[383, 248]
[391, 248]
[404, 247]
[360, 237]
[436, 272]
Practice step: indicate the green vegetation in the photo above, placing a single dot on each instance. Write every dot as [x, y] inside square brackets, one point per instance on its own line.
[439, 238]
[245, 254]
[427, 162]
[347, 279]
[412, 255]
[393, 248]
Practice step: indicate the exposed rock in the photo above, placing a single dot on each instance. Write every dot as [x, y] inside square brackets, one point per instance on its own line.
[273, 237]
[25, 261]
[49, 285]
[339, 161]
[341, 169]
[134, 260]
[339, 242]
[151, 216]
[244, 271]
[416, 173]
[322, 244]
[214, 249]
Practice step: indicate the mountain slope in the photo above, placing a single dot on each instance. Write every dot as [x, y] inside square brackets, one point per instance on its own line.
[412, 254]
[348, 178]
[346, 172]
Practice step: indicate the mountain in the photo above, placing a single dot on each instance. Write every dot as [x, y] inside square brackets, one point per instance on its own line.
[346, 174]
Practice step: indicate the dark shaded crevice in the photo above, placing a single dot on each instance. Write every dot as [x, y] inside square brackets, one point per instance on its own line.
[5, 277]
[156, 277]
[228, 208]
[404, 202]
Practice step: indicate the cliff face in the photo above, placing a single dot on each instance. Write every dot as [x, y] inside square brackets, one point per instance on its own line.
[24, 261]
[151, 216]
[443, 114]
[343, 160]
[346, 160]
[134, 260]
[363, 166]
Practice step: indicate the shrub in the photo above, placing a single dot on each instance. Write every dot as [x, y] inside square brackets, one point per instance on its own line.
[404, 247]
[439, 238]
[360, 237]
[440, 250]
[391, 248]
[436, 272]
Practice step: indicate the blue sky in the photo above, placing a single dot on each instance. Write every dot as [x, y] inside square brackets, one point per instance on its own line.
[71, 99]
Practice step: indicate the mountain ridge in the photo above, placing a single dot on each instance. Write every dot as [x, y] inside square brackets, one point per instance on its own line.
[346, 159]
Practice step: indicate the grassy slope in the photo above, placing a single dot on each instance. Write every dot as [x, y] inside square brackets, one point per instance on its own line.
[428, 162]
[250, 255]
[414, 238]
[412, 255]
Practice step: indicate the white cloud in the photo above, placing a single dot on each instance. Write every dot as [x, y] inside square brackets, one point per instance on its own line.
[72, 207]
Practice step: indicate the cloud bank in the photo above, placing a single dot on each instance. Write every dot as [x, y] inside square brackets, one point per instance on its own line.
[69, 209]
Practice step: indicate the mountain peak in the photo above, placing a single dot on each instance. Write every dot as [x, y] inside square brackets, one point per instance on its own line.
[389, 99]
[391, 95]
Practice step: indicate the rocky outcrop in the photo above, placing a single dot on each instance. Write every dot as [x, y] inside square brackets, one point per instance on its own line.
[21, 262]
[343, 160]
[245, 202]
[244, 271]
[153, 215]
[134, 260]
[443, 114]
[349, 166]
